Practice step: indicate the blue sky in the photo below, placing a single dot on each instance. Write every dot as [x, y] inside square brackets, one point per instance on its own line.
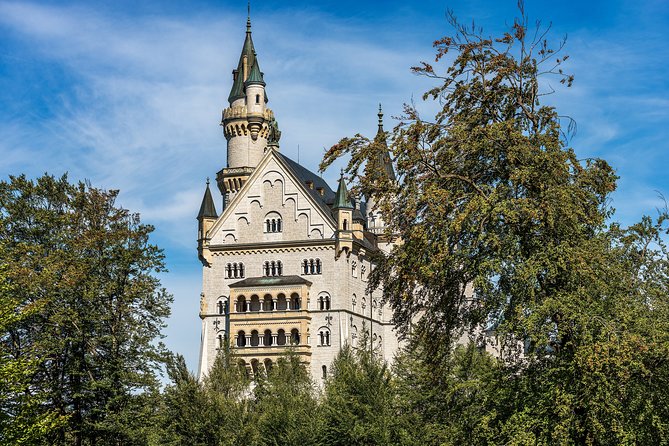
[129, 95]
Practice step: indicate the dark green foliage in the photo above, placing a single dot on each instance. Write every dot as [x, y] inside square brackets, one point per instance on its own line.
[502, 227]
[86, 269]
[358, 406]
[285, 405]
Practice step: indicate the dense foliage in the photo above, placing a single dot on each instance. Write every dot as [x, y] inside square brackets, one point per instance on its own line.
[506, 238]
[81, 315]
[529, 317]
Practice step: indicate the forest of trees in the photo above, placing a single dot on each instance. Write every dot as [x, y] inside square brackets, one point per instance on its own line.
[505, 233]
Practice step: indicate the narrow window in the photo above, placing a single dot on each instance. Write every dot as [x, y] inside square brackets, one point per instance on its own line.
[305, 266]
[220, 341]
[257, 99]
[311, 266]
[241, 339]
[279, 268]
[278, 225]
[345, 225]
[327, 302]
[220, 307]
[318, 266]
[325, 372]
[273, 225]
[234, 270]
[241, 270]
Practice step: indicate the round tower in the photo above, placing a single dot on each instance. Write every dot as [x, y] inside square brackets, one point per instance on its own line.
[247, 122]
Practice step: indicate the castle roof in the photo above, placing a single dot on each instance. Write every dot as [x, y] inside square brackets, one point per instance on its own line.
[341, 200]
[270, 281]
[383, 156]
[207, 208]
[248, 54]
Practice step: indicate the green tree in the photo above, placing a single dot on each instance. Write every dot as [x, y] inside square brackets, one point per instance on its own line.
[87, 268]
[285, 405]
[358, 405]
[504, 229]
[212, 412]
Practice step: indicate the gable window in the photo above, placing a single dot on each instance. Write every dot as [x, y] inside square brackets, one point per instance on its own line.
[311, 266]
[273, 223]
[273, 268]
[234, 271]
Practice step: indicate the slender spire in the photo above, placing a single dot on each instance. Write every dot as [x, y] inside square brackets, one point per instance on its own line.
[384, 155]
[248, 17]
[207, 208]
[341, 198]
[247, 60]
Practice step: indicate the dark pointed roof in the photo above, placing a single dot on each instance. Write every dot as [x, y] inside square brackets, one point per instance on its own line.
[249, 52]
[384, 155]
[341, 198]
[207, 208]
[255, 76]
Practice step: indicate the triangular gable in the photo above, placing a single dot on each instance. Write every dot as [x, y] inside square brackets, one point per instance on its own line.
[238, 208]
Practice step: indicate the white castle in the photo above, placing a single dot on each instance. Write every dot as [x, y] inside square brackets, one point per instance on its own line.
[286, 263]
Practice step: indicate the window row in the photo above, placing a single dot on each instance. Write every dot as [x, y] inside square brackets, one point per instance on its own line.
[311, 266]
[234, 271]
[268, 339]
[273, 268]
[268, 303]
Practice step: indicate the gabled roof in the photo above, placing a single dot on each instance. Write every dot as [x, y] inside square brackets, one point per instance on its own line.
[304, 175]
[207, 208]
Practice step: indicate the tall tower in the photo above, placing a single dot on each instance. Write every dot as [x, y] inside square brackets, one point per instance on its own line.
[248, 125]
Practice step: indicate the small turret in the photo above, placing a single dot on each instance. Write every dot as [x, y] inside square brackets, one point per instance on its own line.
[344, 215]
[205, 220]
[375, 221]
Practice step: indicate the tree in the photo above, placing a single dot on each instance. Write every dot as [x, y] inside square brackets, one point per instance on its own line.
[285, 404]
[358, 406]
[86, 268]
[212, 412]
[504, 230]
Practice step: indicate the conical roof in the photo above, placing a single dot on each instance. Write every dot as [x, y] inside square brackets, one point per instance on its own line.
[341, 198]
[384, 155]
[248, 53]
[255, 76]
[207, 208]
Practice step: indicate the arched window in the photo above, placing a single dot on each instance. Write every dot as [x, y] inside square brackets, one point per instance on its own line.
[324, 302]
[294, 337]
[255, 339]
[268, 305]
[353, 302]
[325, 371]
[312, 267]
[273, 222]
[305, 266]
[318, 266]
[268, 365]
[324, 336]
[267, 338]
[279, 268]
[281, 303]
[221, 307]
[220, 341]
[254, 367]
[234, 270]
[241, 339]
[228, 271]
[281, 337]
[241, 304]
[294, 301]
[255, 303]
[273, 268]
[241, 270]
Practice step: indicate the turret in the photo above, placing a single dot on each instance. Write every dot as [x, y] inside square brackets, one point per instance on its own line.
[344, 216]
[375, 221]
[205, 220]
[248, 125]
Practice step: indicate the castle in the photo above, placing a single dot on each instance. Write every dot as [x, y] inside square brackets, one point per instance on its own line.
[286, 263]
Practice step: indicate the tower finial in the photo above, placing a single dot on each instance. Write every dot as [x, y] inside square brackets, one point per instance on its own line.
[207, 181]
[248, 17]
[380, 115]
